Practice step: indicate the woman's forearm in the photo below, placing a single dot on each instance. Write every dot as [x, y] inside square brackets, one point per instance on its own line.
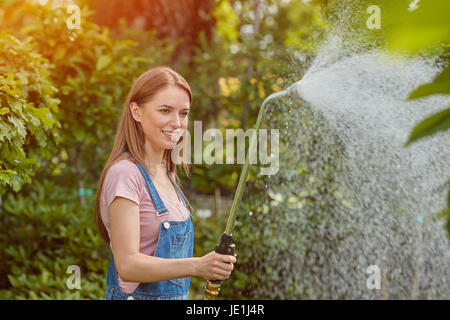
[140, 267]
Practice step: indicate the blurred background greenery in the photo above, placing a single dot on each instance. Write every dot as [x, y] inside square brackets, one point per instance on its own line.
[61, 93]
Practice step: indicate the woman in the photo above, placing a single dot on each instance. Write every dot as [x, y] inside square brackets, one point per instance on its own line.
[140, 210]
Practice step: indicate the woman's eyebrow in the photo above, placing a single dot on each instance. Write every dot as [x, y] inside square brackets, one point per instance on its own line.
[167, 106]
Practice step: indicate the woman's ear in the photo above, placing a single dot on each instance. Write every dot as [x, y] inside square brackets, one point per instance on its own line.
[135, 111]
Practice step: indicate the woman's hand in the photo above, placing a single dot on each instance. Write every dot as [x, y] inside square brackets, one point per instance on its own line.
[215, 266]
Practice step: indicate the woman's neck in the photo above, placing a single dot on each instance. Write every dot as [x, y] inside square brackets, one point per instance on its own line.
[154, 159]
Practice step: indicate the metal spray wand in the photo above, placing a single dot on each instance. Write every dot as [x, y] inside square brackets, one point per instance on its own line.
[226, 246]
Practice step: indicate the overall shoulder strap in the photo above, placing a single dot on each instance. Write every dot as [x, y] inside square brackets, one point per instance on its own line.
[159, 205]
[178, 191]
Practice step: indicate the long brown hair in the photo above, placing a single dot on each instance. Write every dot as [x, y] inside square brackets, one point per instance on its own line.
[130, 138]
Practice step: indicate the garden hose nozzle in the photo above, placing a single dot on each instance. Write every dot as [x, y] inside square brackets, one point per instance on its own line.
[224, 247]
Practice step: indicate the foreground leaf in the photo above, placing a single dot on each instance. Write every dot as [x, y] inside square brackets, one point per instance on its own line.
[431, 125]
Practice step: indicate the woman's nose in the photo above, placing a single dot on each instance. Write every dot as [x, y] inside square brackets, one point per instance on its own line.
[176, 121]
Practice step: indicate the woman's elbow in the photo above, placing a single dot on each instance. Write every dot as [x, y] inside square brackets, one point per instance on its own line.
[124, 270]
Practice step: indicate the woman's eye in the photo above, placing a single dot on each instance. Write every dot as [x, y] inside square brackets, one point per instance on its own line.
[185, 114]
[165, 110]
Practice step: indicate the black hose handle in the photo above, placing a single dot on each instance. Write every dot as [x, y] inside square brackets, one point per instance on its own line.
[224, 247]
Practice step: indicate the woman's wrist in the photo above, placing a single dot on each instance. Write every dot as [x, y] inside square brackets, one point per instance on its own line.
[195, 266]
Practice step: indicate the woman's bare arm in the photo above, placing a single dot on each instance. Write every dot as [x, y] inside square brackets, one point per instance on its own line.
[133, 266]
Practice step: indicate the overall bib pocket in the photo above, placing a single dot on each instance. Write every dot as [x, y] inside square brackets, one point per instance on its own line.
[179, 249]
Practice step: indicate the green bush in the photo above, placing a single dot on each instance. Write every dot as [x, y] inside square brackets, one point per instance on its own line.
[94, 70]
[45, 232]
[28, 109]
[49, 225]
[47, 229]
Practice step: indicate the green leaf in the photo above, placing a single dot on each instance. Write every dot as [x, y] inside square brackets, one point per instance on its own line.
[15, 104]
[227, 21]
[102, 62]
[427, 27]
[4, 177]
[4, 110]
[440, 85]
[35, 121]
[19, 125]
[13, 281]
[437, 122]
[44, 115]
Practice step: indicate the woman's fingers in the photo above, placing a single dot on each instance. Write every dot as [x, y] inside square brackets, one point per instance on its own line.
[226, 258]
[225, 266]
[222, 274]
[226, 262]
[218, 266]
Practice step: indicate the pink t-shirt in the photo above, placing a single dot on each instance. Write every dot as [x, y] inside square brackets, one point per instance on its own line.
[124, 179]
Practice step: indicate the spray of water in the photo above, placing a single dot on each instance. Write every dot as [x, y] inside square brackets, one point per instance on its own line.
[376, 204]
[395, 189]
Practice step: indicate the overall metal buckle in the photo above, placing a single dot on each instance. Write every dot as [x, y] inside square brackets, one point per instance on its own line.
[159, 214]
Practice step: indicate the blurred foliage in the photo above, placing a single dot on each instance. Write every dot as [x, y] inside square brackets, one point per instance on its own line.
[431, 125]
[256, 48]
[178, 20]
[45, 232]
[94, 73]
[424, 28]
[246, 60]
[29, 130]
[413, 28]
[304, 22]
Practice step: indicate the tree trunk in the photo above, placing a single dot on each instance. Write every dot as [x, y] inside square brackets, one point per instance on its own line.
[217, 202]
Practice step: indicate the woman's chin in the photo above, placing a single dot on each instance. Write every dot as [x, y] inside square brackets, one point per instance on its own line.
[170, 145]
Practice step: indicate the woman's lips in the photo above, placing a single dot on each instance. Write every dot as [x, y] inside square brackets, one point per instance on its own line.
[173, 135]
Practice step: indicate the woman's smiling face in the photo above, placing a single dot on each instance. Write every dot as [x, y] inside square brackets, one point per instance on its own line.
[164, 118]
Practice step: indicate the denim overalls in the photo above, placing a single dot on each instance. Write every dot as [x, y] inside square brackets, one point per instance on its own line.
[176, 240]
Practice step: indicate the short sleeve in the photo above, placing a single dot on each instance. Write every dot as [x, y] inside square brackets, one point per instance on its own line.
[122, 180]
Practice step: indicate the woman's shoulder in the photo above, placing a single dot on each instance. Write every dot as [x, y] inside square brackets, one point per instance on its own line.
[122, 167]
[123, 179]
